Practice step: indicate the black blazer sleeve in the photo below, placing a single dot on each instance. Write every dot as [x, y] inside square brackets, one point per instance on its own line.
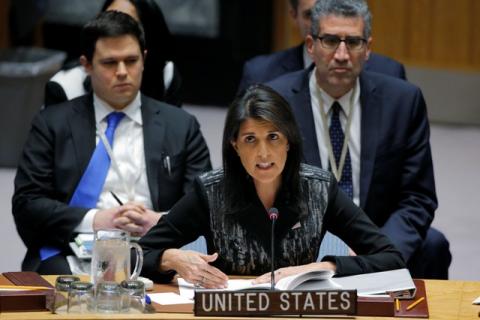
[39, 204]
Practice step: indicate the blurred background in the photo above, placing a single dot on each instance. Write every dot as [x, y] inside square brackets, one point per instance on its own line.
[436, 40]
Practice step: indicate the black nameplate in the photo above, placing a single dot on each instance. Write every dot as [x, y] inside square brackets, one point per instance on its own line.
[258, 303]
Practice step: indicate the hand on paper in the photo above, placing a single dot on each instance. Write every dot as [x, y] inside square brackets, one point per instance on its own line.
[194, 267]
[288, 271]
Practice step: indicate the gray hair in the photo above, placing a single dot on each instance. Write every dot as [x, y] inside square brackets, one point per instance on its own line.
[342, 8]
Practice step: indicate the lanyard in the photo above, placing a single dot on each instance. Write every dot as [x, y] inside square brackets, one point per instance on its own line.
[337, 172]
[128, 190]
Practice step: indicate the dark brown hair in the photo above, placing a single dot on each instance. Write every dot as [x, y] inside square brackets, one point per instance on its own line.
[261, 103]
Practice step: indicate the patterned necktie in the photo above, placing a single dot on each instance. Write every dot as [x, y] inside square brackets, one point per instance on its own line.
[337, 137]
[331, 244]
[91, 184]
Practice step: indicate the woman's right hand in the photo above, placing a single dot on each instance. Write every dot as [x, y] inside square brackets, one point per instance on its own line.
[194, 267]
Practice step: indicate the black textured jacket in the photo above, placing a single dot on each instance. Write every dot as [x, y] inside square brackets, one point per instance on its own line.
[242, 238]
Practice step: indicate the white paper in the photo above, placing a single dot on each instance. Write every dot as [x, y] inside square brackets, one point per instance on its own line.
[476, 301]
[379, 282]
[187, 289]
[167, 298]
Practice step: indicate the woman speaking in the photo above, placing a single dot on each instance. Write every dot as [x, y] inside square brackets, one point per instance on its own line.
[262, 170]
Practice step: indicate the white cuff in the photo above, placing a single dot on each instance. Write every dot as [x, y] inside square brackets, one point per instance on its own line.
[86, 226]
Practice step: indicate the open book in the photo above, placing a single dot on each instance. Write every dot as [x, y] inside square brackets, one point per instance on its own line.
[288, 283]
[397, 282]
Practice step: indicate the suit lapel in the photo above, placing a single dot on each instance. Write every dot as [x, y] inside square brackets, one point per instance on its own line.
[371, 115]
[302, 108]
[82, 124]
[153, 135]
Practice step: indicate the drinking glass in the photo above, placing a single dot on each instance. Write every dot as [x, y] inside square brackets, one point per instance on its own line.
[133, 296]
[62, 283]
[80, 297]
[62, 287]
[108, 297]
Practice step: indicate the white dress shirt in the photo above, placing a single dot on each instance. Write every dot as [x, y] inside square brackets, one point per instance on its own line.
[354, 146]
[128, 154]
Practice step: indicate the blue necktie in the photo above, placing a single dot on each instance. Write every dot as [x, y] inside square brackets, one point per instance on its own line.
[91, 184]
[337, 137]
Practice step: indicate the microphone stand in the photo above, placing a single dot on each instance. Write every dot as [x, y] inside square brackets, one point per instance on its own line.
[272, 247]
[273, 216]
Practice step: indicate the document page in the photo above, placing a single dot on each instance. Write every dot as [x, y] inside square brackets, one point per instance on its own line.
[398, 281]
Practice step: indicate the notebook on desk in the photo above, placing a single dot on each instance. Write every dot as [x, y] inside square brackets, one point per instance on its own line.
[25, 299]
[396, 283]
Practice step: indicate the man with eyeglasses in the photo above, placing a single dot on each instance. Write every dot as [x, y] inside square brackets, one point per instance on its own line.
[371, 131]
[265, 68]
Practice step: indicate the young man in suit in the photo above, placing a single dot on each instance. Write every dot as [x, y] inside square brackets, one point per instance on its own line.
[372, 130]
[114, 142]
[264, 68]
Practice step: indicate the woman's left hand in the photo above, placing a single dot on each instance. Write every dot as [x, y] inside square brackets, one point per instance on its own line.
[288, 271]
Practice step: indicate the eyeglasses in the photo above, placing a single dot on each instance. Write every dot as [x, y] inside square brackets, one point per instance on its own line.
[331, 42]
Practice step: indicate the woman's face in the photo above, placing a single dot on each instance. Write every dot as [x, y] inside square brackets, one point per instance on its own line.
[262, 149]
[124, 6]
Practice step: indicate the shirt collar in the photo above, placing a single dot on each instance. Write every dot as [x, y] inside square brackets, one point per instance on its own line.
[132, 110]
[328, 100]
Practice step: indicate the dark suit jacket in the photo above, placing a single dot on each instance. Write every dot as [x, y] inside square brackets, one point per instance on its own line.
[58, 150]
[265, 68]
[397, 187]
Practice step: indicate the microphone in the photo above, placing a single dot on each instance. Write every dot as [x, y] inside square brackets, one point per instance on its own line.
[273, 216]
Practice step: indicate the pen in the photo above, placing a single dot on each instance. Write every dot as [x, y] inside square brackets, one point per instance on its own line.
[116, 198]
[411, 306]
[166, 164]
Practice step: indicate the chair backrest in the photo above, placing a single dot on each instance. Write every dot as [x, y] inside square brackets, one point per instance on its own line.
[199, 245]
[332, 245]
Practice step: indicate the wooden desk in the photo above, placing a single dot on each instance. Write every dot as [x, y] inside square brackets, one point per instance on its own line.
[447, 300]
